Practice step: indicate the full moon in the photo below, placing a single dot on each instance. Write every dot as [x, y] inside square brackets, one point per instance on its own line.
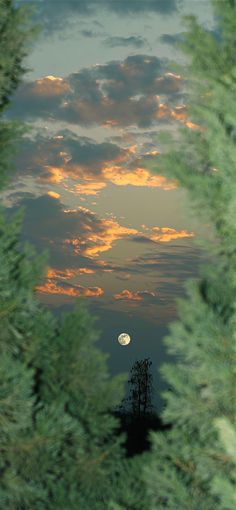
[124, 339]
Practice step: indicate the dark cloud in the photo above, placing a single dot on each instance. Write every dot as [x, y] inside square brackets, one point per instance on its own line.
[141, 7]
[81, 235]
[90, 34]
[142, 239]
[48, 225]
[136, 75]
[170, 269]
[89, 165]
[140, 111]
[40, 98]
[54, 15]
[66, 151]
[182, 260]
[118, 93]
[172, 38]
[136, 41]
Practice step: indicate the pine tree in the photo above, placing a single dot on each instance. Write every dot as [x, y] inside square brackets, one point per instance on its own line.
[140, 383]
[193, 465]
[59, 447]
[16, 34]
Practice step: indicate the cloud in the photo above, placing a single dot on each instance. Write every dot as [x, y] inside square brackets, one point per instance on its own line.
[140, 295]
[162, 235]
[170, 268]
[90, 34]
[172, 38]
[46, 223]
[136, 7]
[68, 290]
[99, 240]
[40, 98]
[80, 236]
[136, 41]
[70, 154]
[180, 259]
[89, 165]
[67, 274]
[53, 194]
[137, 177]
[54, 15]
[123, 93]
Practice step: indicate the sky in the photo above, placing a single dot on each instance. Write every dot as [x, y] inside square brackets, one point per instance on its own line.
[99, 91]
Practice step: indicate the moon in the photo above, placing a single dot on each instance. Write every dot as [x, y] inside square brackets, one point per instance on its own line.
[124, 339]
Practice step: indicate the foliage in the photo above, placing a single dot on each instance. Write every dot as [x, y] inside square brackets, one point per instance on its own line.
[58, 440]
[16, 34]
[190, 466]
[131, 487]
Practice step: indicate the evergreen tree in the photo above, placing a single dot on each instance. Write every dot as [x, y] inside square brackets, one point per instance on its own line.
[58, 437]
[140, 382]
[193, 465]
[16, 34]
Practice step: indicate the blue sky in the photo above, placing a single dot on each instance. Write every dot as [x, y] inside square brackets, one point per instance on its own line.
[99, 92]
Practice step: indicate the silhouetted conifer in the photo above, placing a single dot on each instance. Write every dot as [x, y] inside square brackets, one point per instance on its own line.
[140, 384]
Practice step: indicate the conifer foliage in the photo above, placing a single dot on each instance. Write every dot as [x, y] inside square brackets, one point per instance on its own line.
[193, 465]
[16, 33]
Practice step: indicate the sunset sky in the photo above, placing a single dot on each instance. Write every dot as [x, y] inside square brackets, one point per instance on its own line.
[99, 92]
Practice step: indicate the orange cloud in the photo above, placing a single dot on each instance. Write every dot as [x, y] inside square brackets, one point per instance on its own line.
[53, 194]
[166, 234]
[137, 177]
[95, 243]
[75, 291]
[179, 113]
[99, 235]
[132, 149]
[56, 174]
[67, 274]
[127, 295]
[90, 176]
[93, 291]
[50, 86]
[89, 188]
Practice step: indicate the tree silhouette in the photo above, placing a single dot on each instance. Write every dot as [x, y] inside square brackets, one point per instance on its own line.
[141, 387]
